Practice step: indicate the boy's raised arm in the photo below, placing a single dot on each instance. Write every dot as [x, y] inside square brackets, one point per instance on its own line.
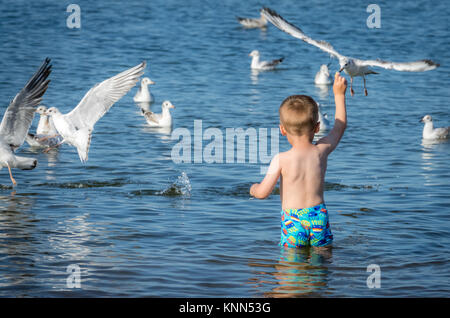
[264, 189]
[340, 122]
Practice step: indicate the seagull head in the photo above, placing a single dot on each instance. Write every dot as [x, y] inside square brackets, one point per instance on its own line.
[324, 69]
[167, 105]
[41, 110]
[254, 53]
[147, 81]
[52, 111]
[345, 64]
[426, 119]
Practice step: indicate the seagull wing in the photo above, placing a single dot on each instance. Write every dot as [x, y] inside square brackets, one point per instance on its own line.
[296, 32]
[442, 132]
[20, 112]
[152, 117]
[273, 63]
[416, 66]
[100, 98]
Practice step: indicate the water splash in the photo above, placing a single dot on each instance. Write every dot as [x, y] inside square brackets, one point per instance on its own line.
[181, 187]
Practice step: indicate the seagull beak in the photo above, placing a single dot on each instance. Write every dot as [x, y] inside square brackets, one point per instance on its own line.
[421, 120]
[152, 83]
[172, 106]
[342, 68]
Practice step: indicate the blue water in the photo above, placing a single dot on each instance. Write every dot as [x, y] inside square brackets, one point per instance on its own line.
[137, 224]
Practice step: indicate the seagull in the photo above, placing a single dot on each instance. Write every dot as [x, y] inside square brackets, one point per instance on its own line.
[76, 127]
[159, 120]
[46, 134]
[251, 23]
[323, 76]
[323, 119]
[45, 125]
[352, 66]
[143, 94]
[264, 65]
[429, 132]
[18, 118]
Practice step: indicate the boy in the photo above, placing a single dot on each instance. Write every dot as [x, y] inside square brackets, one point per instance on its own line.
[304, 216]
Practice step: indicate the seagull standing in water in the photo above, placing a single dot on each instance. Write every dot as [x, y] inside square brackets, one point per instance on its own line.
[18, 118]
[352, 66]
[323, 76]
[263, 65]
[429, 132]
[76, 127]
[46, 134]
[143, 94]
[160, 120]
[252, 23]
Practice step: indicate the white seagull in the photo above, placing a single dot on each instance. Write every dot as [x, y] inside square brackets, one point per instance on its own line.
[352, 66]
[429, 132]
[46, 134]
[252, 23]
[18, 118]
[159, 120]
[76, 127]
[143, 94]
[323, 76]
[263, 65]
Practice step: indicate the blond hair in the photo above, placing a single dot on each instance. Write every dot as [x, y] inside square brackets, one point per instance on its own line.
[299, 114]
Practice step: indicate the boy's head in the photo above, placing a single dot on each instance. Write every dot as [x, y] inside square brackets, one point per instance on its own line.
[299, 115]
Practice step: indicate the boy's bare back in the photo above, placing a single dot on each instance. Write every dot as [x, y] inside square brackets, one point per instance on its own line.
[302, 168]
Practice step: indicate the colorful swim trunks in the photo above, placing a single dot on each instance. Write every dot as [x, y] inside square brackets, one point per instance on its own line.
[303, 227]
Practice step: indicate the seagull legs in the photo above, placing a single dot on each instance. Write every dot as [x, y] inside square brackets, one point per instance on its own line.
[52, 147]
[46, 137]
[10, 175]
[365, 89]
[351, 86]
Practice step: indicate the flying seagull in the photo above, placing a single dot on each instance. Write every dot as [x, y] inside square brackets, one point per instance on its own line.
[76, 127]
[18, 118]
[252, 23]
[352, 66]
[263, 65]
[429, 132]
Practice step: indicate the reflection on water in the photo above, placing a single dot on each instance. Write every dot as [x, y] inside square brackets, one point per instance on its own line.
[164, 132]
[432, 143]
[144, 106]
[323, 91]
[254, 76]
[299, 272]
[69, 237]
[17, 227]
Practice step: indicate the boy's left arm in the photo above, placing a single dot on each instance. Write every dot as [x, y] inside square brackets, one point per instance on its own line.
[264, 189]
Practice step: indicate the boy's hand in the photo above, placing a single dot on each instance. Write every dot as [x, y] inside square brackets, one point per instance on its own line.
[253, 188]
[340, 84]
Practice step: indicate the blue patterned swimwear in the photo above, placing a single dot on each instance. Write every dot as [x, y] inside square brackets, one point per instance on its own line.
[303, 227]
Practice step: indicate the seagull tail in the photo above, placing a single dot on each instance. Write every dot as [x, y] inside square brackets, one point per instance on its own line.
[82, 143]
[24, 163]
